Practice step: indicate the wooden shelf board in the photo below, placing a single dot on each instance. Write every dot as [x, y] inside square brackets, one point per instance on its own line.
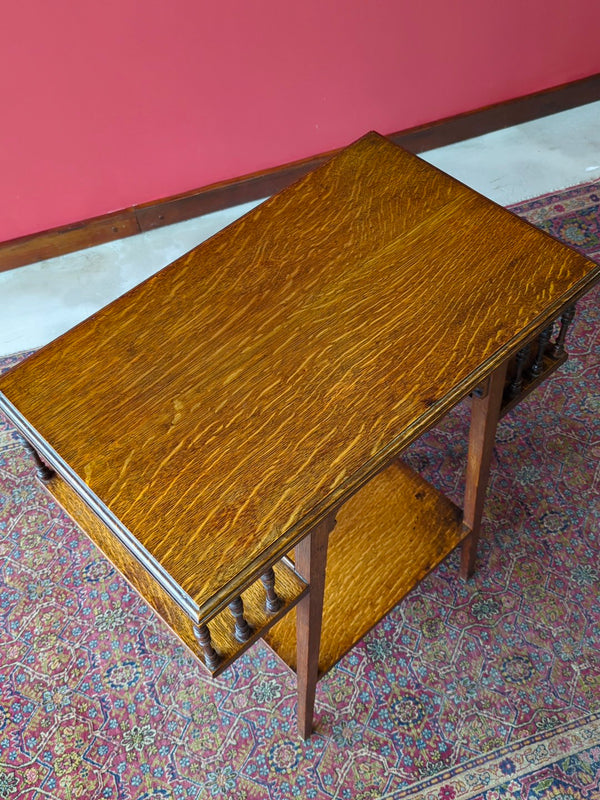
[387, 538]
[131, 569]
[289, 586]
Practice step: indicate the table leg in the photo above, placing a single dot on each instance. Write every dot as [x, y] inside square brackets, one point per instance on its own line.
[484, 419]
[310, 562]
[43, 471]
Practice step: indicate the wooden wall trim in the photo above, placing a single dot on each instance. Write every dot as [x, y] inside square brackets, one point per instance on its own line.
[145, 217]
[67, 239]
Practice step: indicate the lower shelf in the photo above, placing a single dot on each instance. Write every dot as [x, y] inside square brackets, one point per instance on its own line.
[387, 538]
[290, 588]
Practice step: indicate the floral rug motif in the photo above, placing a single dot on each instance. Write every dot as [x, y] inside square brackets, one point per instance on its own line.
[571, 215]
[484, 691]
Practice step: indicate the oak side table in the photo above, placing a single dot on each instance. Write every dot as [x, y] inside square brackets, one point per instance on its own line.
[235, 423]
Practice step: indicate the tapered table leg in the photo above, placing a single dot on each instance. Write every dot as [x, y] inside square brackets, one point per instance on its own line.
[310, 562]
[484, 419]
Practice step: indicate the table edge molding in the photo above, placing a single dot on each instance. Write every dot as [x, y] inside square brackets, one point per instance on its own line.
[123, 534]
[287, 540]
[345, 490]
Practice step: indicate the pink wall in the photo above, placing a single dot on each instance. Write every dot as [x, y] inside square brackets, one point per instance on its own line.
[110, 104]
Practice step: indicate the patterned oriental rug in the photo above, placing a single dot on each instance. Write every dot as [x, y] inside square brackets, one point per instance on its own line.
[486, 690]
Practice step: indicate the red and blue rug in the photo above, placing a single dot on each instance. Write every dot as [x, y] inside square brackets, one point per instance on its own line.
[488, 690]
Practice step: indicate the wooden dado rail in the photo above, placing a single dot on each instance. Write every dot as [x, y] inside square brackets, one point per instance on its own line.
[137, 219]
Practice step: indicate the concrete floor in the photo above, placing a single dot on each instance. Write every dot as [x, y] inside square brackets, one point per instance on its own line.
[43, 300]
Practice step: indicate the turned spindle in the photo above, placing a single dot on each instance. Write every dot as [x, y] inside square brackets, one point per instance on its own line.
[211, 657]
[243, 631]
[538, 364]
[516, 385]
[273, 602]
[566, 319]
[42, 470]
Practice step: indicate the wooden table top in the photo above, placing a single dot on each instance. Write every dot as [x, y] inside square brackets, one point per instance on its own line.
[224, 406]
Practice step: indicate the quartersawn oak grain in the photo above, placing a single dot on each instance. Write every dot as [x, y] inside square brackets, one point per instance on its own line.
[225, 406]
[290, 588]
[388, 537]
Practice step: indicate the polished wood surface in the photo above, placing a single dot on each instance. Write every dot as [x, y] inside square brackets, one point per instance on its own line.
[234, 405]
[388, 537]
[290, 588]
[124, 561]
[232, 401]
